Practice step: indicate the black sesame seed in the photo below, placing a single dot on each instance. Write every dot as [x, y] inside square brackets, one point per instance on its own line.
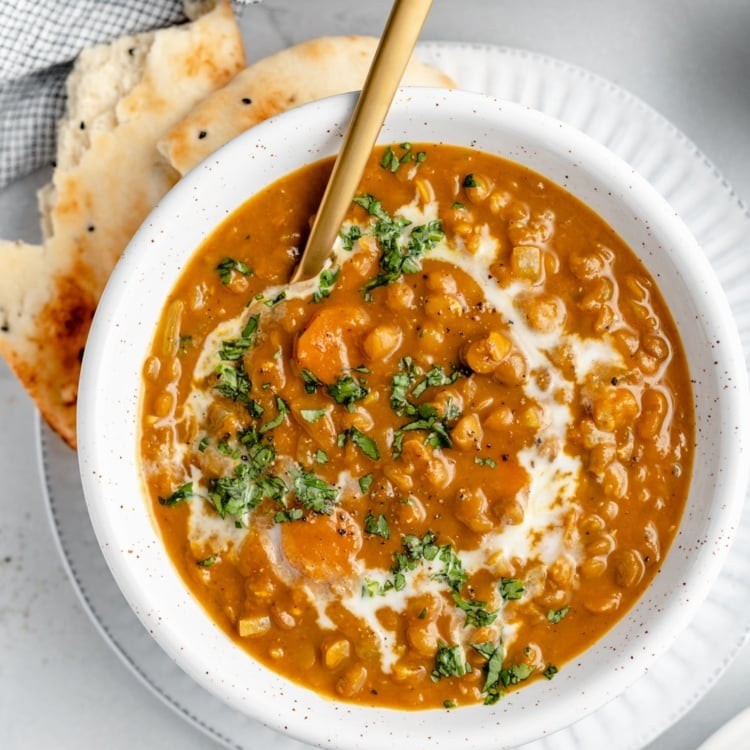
[83, 125]
[91, 227]
[202, 134]
[246, 100]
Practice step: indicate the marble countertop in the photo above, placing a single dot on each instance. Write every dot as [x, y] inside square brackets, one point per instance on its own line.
[60, 685]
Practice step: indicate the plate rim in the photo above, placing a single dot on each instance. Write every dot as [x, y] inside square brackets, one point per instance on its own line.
[436, 45]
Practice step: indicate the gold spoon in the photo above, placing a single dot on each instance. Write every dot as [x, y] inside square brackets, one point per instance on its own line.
[391, 57]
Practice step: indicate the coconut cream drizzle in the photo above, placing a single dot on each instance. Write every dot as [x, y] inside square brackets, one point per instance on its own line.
[553, 474]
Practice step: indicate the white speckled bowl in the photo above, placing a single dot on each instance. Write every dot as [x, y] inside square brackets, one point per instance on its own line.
[122, 333]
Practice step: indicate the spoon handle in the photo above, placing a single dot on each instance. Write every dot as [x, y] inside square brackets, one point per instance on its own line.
[396, 45]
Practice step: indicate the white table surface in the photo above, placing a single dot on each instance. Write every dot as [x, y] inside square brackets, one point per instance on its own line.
[60, 685]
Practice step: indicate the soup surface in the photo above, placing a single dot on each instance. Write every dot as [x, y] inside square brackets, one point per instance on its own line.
[444, 467]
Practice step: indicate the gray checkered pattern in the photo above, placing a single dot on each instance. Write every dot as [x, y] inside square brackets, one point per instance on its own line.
[39, 39]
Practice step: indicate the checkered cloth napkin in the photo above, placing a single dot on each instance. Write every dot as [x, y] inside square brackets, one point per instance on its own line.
[39, 39]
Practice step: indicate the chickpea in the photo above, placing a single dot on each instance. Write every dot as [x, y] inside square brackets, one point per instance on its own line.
[617, 407]
[443, 306]
[499, 419]
[615, 481]
[471, 508]
[352, 681]
[408, 673]
[441, 281]
[163, 404]
[601, 547]
[468, 433]
[477, 186]
[544, 312]
[411, 512]
[422, 637]
[399, 297]
[604, 603]
[432, 338]
[382, 342]
[593, 567]
[586, 267]
[601, 456]
[335, 653]
[561, 572]
[484, 355]
[656, 346]
[151, 369]
[629, 568]
[510, 514]
[282, 618]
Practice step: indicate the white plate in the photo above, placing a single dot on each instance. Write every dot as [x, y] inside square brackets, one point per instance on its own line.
[720, 223]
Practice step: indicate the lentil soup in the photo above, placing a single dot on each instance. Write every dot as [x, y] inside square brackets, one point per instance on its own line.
[444, 467]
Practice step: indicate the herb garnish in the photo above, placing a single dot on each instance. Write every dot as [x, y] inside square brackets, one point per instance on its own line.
[203, 444]
[377, 526]
[207, 562]
[314, 493]
[321, 456]
[392, 162]
[550, 671]
[365, 482]
[326, 280]
[186, 341]
[400, 252]
[348, 390]
[477, 614]
[511, 588]
[225, 268]
[313, 415]
[449, 662]
[181, 494]
[364, 442]
[555, 615]
[470, 181]
[481, 461]
[283, 409]
[350, 236]
[233, 349]
[310, 381]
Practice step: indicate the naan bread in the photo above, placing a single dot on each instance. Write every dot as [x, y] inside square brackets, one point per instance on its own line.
[122, 97]
[309, 71]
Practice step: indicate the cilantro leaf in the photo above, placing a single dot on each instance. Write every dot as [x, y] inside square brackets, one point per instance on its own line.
[225, 268]
[365, 482]
[348, 390]
[449, 662]
[377, 526]
[283, 409]
[364, 442]
[313, 415]
[511, 589]
[326, 280]
[555, 615]
[477, 614]
[182, 493]
[314, 493]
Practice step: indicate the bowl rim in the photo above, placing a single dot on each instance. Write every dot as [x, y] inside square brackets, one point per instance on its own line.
[93, 412]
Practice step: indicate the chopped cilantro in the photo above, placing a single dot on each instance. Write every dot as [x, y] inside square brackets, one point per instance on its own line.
[477, 614]
[225, 268]
[283, 409]
[207, 562]
[314, 493]
[321, 456]
[555, 615]
[470, 181]
[326, 280]
[181, 494]
[313, 415]
[226, 450]
[448, 703]
[377, 526]
[399, 252]
[348, 390]
[550, 671]
[458, 206]
[233, 382]
[291, 514]
[511, 589]
[365, 483]
[485, 462]
[234, 349]
[365, 443]
[203, 444]
[310, 381]
[392, 162]
[349, 237]
[449, 662]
